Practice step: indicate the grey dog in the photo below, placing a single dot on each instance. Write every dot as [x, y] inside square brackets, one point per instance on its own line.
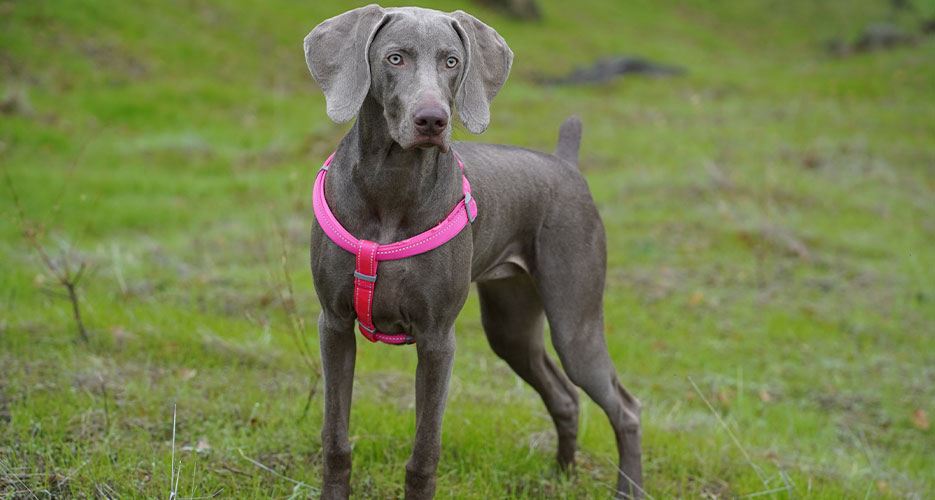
[537, 249]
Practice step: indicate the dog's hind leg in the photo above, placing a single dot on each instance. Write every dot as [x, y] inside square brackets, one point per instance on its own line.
[512, 315]
[588, 365]
[570, 280]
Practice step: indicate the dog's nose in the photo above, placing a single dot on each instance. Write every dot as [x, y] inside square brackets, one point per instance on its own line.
[430, 121]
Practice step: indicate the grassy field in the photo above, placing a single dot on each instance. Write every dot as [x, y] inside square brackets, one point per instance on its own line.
[771, 281]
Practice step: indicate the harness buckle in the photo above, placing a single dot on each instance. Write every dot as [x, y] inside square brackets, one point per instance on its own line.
[367, 333]
[467, 207]
[365, 277]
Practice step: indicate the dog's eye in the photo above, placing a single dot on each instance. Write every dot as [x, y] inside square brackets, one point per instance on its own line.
[451, 62]
[395, 59]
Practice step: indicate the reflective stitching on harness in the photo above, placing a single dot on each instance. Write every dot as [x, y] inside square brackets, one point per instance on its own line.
[357, 288]
[332, 222]
[422, 242]
[373, 257]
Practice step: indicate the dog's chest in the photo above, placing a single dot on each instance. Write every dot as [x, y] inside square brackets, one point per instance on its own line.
[409, 294]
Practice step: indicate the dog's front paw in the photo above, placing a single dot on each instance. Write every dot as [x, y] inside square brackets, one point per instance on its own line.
[336, 476]
[331, 491]
[419, 486]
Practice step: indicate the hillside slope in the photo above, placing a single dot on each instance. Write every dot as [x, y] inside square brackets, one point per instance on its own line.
[771, 282]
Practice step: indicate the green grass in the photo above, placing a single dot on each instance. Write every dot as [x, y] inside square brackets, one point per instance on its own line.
[770, 230]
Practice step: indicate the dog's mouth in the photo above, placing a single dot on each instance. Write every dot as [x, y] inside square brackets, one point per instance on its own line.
[428, 142]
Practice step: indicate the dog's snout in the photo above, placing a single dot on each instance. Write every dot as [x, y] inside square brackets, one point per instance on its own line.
[430, 121]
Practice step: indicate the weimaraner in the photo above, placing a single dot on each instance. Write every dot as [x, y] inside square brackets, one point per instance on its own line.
[536, 249]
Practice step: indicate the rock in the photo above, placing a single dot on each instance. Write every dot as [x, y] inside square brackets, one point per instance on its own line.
[609, 68]
[901, 5]
[15, 102]
[878, 36]
[520, 9]
[838, 48]
[928, 26]
[875, 36]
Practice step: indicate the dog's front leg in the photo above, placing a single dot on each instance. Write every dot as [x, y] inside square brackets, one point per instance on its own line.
[338, 350]
[436, 357]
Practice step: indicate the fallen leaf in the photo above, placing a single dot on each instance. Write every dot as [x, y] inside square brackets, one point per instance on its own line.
[188, 373]
[747, 239]
[120, 333]
[811, 161]
[723, 397]
[203, 446]
[696, 299]
[881, 485]
[764, 396]
[920, 419]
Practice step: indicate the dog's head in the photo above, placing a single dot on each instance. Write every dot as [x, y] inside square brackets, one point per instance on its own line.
[417, 63]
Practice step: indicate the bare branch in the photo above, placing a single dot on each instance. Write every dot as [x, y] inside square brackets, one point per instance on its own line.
[62, 273]
[285, 292]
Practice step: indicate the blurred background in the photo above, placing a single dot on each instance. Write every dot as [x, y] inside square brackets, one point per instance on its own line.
[766, 175]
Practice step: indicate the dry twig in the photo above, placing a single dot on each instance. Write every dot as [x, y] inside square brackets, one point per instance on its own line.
[286, 294]
[65, 272]
[280, 476]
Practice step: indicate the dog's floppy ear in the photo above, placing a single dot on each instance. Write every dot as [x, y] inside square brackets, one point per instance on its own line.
[337, 55]
[486, 67]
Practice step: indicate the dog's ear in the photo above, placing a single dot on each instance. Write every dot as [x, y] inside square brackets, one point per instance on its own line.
[486, 67]
[337, 55]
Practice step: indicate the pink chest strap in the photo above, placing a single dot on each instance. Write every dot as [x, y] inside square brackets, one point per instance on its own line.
[369, 254]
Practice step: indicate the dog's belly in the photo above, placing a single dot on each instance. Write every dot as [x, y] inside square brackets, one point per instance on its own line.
[512, 265]
[513, 259]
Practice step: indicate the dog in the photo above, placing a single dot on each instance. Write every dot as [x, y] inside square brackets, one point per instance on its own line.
[535, 245]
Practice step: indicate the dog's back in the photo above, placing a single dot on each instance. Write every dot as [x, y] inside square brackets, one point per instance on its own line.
[524, 190]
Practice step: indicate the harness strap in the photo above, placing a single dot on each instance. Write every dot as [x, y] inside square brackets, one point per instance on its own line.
[365, 278]
[368, 253]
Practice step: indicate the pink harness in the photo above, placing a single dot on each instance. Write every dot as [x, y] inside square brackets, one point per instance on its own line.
[369, 253]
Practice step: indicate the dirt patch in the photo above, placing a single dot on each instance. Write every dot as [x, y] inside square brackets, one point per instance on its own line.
[115, 60]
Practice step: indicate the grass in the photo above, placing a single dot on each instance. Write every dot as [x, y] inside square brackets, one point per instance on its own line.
[769, 217]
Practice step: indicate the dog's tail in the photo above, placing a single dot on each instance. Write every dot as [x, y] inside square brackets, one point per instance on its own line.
[569, 140]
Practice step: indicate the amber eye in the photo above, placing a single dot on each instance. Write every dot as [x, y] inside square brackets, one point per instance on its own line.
[451, 62]
[395, 59]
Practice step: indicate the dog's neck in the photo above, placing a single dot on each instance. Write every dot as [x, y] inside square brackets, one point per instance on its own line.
[379, 190]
